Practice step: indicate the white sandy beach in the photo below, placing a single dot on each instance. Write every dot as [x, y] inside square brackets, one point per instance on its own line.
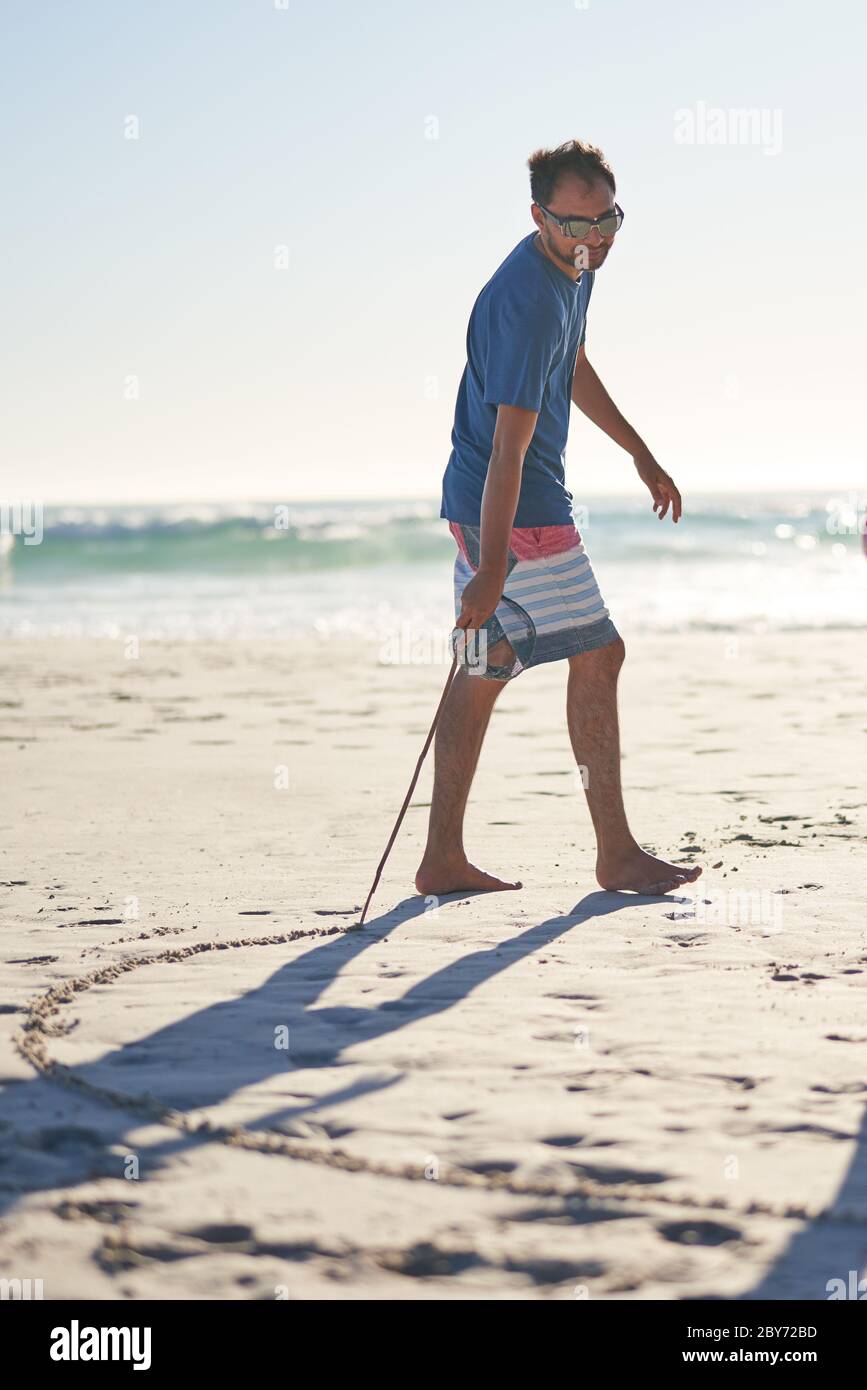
[557, 1093]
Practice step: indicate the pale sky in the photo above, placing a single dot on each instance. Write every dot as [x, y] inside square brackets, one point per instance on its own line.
[728, 322]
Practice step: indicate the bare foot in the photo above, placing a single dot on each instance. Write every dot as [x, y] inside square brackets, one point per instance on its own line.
[638, 872]
[457, 876]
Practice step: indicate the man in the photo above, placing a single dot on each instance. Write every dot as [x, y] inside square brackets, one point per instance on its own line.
[523, 581]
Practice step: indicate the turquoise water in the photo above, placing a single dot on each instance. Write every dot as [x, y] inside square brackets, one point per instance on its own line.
[752, 563]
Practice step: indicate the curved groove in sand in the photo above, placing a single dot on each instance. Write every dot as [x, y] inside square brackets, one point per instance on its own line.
[31, 1043]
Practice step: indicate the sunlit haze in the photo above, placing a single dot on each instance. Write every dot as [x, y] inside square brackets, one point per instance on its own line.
[242, 241]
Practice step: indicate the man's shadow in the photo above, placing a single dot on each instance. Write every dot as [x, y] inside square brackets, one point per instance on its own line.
[210, 1055]
[213, 1053]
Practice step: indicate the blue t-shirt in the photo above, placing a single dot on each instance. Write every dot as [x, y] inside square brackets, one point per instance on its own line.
[523, 337]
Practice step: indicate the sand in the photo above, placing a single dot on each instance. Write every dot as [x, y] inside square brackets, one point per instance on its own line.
[557, 1093]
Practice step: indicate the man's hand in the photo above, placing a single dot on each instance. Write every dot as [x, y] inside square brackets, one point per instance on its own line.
[659, 485]
[479, 598]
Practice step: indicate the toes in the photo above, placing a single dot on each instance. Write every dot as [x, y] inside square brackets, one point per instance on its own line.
[664, 887]
[687, 875]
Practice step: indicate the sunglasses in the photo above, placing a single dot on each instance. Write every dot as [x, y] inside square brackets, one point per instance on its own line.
[579, 228]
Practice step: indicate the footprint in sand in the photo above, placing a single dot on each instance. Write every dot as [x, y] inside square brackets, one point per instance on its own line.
[619, 1176]
[574, 1141]
[687, 939]
[221, 1233]
[106, 1211]
[63, 1138]
[94, 922]
[699, 1232]
[740, 1083]
[845, 1088]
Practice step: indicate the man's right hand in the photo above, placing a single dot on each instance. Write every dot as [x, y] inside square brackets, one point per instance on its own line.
[480, 598]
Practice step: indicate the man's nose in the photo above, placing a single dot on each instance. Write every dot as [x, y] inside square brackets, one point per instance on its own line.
[594, 237]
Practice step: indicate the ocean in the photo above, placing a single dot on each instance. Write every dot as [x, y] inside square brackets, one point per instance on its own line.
[735, 563]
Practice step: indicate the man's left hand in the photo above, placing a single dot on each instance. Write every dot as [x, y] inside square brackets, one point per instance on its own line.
[659, 485]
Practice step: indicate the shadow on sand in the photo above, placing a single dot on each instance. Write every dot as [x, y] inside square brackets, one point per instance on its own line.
[229, 1046]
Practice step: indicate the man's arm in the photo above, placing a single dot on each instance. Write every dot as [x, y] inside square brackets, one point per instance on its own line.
[512, 435]
[593, 400]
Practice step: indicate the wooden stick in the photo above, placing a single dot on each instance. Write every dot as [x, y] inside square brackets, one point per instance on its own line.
[406, 799]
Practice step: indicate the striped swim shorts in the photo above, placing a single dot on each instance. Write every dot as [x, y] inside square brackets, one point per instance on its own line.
[550, 608]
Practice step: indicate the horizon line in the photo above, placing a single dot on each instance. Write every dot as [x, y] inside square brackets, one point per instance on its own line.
[432, 499]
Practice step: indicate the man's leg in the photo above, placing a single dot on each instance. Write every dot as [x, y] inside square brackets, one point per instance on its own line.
[461, 729]
[591, 709]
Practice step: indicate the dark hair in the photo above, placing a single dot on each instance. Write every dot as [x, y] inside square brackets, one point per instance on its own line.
[573, 157]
